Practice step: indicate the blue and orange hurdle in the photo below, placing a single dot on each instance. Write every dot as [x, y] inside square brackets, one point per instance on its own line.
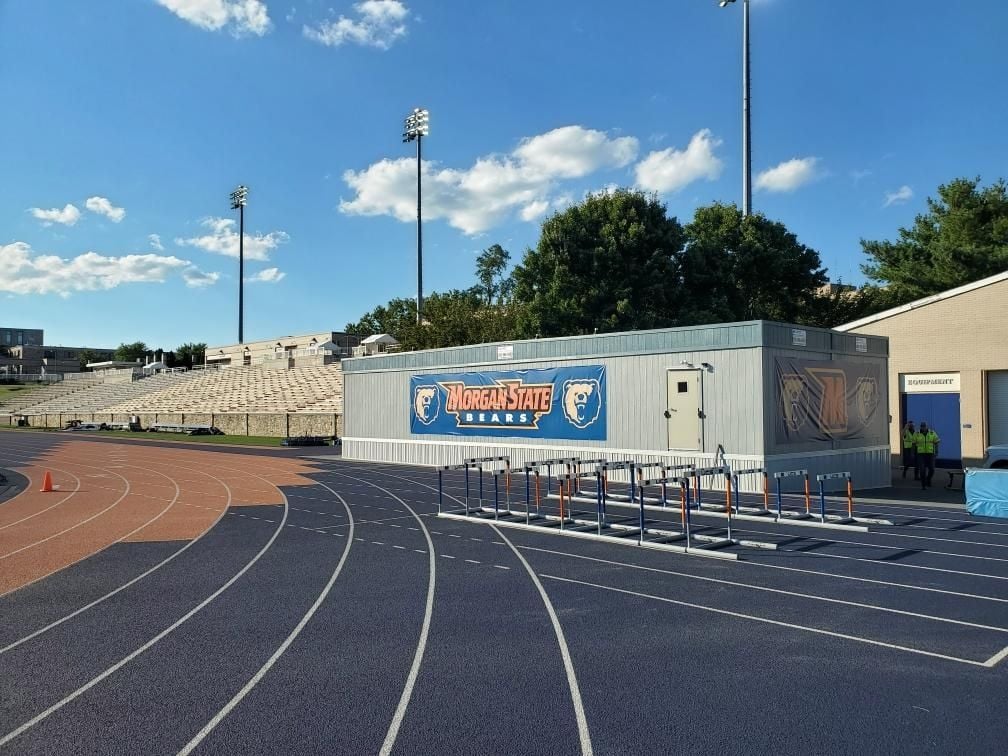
[800, 474]
[845, 476]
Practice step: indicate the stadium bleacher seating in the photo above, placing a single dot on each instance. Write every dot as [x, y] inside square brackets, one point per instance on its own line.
[251, 389]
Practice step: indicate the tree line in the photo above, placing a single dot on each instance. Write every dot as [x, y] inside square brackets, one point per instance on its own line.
[618, 262]
[185, 355]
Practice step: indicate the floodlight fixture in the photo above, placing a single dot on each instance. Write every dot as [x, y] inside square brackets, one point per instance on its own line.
[239, 197]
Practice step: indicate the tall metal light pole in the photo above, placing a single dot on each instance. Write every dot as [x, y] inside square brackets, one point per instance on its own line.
[238, 199]
[746, 133]
[417, 126]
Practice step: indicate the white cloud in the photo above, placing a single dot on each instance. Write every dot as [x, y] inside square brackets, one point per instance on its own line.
[155, 242]
[574, 151]
[267, 275]
[223, 240]
[68, 216]
[197, 279]
[476, 198]
[900, 197]
[533, 210]
[24, 271]
[102, 206]
[789, 175]
[669, 170]
[241, 17]
[378, 23]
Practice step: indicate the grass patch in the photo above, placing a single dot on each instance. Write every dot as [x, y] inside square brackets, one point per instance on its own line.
[7, 390]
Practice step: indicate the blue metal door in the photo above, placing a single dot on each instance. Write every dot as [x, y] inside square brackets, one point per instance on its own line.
[940, 412]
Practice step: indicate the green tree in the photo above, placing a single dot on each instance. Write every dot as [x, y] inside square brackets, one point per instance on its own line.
[746, 268]
[962, 238]
[85, 357]
[491, 272]
[188, 354]
[397, 318]
[609, 263]
[131, 352]
[838, 304]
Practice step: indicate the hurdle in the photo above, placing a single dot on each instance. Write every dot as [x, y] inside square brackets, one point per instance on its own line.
[700, 473]
[664, 470]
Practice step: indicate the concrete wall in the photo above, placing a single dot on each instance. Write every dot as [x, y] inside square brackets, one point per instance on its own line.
[277, 425]
[965, 334]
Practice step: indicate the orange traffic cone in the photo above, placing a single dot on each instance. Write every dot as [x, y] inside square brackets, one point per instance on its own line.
[47, 485]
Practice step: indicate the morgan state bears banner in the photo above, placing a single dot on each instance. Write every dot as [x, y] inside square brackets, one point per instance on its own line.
[567, 403]
[829, 401]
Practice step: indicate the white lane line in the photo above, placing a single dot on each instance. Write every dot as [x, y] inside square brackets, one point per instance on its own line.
[401, 548]
[72, 527]
[51, 506]
[889, 583]
[110, 594]
[501, 567]
[411, 678]
[446, 556]
[575, 691]
[768, 589]
[254, 680]
[776, 623]
[472, 561]
[998, 657]
[168, 630]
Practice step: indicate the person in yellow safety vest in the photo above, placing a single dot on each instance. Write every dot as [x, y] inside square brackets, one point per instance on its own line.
[909, 449]
[927, 447]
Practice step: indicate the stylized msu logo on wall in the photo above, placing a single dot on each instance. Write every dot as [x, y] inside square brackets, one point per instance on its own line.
[426, 403]
[794, 400]
[563, 403]
[581, 402]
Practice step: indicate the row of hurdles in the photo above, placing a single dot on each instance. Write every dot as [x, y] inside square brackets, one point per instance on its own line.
[571, 483]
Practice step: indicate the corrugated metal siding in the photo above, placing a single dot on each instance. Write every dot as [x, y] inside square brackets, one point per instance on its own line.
[378, 403]
[869, 466]
[670, 340]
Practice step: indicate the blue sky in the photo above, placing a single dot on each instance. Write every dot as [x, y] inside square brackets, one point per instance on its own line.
[127, 124]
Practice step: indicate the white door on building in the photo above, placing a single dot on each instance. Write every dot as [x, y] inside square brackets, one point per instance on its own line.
[997, 406]
[684, 411]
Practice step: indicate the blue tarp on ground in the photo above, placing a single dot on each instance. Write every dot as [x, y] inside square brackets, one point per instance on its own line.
[987, 492]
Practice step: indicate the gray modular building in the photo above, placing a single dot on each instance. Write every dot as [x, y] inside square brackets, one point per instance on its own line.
[751, 394]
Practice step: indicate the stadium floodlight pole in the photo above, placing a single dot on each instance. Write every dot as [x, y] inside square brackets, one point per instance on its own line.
[746, 134]
[417, 126]
[238, 198]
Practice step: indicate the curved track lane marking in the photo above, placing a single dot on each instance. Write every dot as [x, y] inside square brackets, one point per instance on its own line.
[572, 683]
[740, 615]
[13, 734]
[768, 589]
[51, 506]
[79, 524]
[230, 705]
[584, 734]
[124, 586]
[411, 678]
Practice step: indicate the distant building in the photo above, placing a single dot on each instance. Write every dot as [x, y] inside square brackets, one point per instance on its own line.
[23, 352]
[286, 351]
[948, 366]
[11, 337]
[378, 343]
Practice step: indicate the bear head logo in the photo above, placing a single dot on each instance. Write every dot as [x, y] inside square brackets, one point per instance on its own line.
[426, 403]
[582, 402]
